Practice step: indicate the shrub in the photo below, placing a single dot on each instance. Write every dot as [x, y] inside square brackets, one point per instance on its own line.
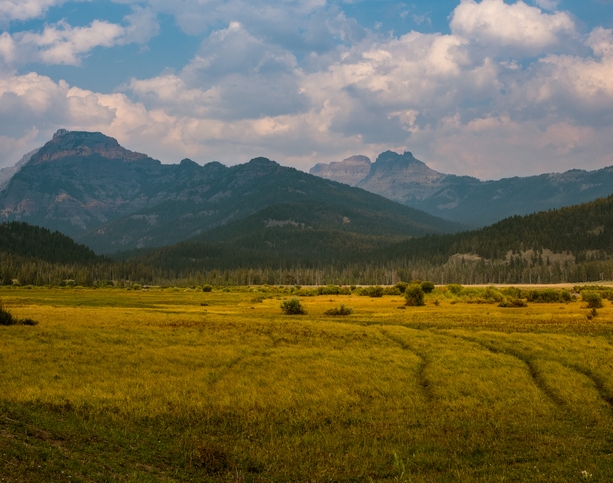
[207, 288]
[333, 290]
[376, 291]
[427, 286]
[401, 286]
[391, 291]
[293, 307]
[342, 310]
[454, 288]
[6, 318]
[414, 296]
[512, 302]
[593, 299]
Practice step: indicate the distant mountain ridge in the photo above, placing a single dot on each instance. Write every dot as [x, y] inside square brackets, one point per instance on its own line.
[89, 187]
[466, 199]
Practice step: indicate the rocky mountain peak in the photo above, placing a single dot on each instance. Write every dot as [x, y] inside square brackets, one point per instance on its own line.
[60, 132]
[406, 162]
[83, 144]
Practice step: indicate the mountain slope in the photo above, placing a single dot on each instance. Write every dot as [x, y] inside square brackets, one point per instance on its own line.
[243, 190]
[474, 202]
[30, 241]
[583, 231]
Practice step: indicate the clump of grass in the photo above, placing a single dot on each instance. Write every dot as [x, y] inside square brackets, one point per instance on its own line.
[339, 311]
[292, 307]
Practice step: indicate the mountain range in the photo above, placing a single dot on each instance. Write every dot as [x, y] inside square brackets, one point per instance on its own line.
[87, 186]
[465, 199]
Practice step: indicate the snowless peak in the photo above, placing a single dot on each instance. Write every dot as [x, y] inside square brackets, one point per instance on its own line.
[60, 132]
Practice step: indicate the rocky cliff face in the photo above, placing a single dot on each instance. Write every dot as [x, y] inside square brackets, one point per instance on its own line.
[349, 171]
[402, 178]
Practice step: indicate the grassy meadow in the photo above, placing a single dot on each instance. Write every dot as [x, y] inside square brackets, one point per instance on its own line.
[182, 385]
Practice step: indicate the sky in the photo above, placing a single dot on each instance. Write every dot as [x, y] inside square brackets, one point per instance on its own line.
[486, 88]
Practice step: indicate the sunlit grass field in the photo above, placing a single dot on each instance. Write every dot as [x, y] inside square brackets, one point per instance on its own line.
[181, 385]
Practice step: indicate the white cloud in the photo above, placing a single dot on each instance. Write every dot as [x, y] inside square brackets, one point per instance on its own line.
[525, 29]
[63, 44]
[24, 9]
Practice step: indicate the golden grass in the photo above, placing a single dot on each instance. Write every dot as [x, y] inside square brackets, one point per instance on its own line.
[117, 385]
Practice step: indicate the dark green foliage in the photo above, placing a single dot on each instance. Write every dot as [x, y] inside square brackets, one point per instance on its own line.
[376, 291]
[37, 242]
[593, 299]
[292, 307]
[427, 286]
[454, 288]
[414, 295]
[401, 286]
[513, 302]
[6, 318]
[547, 295]
[339, 311]
[207, 288]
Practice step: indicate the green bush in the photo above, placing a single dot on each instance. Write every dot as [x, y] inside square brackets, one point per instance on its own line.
[6, 318]
[376, 291]
[512, 302]
[391, 291]
[292, 307]
[593, 299]
[342, 310]
[401, 286]
[454, 288]
[414, 296]
[427, 286]
[207, 288]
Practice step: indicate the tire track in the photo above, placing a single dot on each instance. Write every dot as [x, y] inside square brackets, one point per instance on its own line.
[535, 374]
[598, 381]
[424, 363]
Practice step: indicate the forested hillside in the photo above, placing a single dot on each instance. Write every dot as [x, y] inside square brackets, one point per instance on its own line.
[313, 243]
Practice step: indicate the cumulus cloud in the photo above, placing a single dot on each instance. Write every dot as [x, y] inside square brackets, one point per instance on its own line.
[520, 27]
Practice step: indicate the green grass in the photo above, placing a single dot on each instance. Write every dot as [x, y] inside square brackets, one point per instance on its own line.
[118, 385]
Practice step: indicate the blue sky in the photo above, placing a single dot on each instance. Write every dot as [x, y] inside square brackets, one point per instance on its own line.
[488, 88]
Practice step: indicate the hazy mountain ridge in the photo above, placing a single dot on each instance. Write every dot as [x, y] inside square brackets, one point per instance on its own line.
[474, 202]
[89, 187]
